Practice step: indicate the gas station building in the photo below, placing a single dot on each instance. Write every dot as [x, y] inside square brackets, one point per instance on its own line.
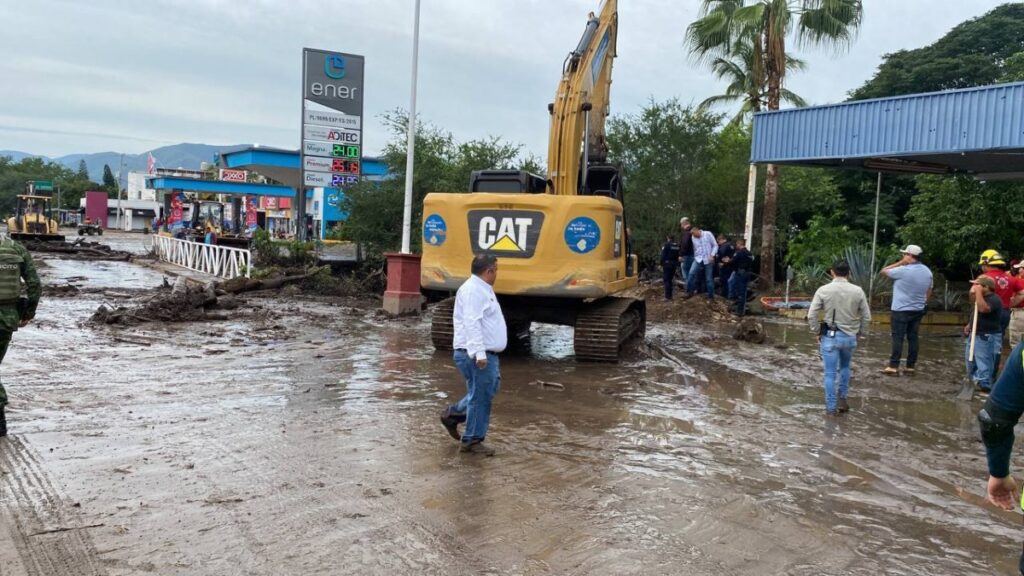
[276, 199]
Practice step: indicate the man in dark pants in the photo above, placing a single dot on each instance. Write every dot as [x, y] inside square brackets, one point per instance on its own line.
[742, 262]
[669, 260]
[911, 290]
[15, 312]
[723, 265]
[1001, 413]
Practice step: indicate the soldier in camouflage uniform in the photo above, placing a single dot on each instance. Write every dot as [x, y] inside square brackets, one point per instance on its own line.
[15, 311]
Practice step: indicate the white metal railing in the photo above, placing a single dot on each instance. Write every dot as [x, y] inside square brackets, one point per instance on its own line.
[221, 261]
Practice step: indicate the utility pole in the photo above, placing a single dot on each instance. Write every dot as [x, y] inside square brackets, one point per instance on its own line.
[874, 239]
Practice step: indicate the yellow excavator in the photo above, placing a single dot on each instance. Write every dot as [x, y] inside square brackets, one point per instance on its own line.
[33, 220]
[561, 241]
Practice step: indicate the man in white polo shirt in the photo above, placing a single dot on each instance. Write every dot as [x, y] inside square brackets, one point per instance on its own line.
[480, 334]
[911, 290]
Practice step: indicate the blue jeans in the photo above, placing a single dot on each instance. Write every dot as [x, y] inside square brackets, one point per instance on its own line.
[481, 386]
[687, 264]
[986, 353]
[699, 269]
[836, 352]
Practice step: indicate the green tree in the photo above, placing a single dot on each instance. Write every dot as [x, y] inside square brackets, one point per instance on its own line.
[974, 53]
[747, 82]
[769, 25]
[955, 218]
[15, 175]
[664, 151]
[109, 182]
[83, 170]
[1013, 68]
[442, 164]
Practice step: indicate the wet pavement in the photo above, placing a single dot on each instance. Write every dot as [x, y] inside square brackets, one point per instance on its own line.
[309, 444]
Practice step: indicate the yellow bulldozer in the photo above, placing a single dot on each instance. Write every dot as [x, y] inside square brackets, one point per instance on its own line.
[33, 220]
[561, 240]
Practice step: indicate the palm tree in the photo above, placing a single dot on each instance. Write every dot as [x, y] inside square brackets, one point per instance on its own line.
[744, 84]
[769, 24]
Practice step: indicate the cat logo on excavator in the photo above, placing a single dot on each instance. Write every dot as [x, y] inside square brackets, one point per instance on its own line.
[505, 233]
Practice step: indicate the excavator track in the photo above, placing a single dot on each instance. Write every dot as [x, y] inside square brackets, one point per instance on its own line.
[602, 327]
[442, 327]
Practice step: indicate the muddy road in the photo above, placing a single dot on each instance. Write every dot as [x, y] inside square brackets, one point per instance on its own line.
[308, 443]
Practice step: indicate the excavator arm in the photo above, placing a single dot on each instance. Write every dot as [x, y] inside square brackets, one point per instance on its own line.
[580, 109]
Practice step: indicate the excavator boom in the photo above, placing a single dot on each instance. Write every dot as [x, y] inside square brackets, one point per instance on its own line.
[581, 104]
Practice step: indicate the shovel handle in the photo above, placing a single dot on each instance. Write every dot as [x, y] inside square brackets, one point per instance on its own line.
[974, 332]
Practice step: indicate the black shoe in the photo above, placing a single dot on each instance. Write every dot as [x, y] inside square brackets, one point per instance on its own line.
[3, 422]
[451, 425]
[477, 448]
[843, 406]
[831, 412]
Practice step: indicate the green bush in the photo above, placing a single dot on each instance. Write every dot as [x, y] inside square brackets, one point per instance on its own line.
[289, 253]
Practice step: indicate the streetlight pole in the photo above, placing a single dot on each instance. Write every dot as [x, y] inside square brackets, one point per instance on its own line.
[411, 146]
[120, 185]
[403, 292]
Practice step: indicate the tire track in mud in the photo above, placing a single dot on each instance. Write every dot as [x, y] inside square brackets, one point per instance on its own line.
[47, 534]
[316, 525]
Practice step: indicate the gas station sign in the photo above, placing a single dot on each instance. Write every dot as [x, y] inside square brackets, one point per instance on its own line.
[332, 118]
[230, 175]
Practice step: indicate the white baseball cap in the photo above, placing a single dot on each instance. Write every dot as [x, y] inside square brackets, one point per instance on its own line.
[912, 249]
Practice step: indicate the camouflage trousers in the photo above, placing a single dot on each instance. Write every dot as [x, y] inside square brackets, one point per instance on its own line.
[5, 341]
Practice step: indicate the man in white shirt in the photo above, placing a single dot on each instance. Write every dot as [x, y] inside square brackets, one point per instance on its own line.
[705, 250]
[480, 334]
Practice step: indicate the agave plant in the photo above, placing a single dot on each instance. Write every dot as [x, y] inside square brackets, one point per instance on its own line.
[950, 300]
[808, 278]
[861, 272]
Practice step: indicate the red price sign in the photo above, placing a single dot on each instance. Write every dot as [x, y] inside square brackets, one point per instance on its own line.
[342, 166]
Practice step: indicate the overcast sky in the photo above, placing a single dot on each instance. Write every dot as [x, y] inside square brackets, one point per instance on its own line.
[130, 76]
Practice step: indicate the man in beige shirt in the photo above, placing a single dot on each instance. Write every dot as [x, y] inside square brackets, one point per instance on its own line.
[846, 315]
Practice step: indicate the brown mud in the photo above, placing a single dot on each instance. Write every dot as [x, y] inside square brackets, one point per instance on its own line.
[307, 442]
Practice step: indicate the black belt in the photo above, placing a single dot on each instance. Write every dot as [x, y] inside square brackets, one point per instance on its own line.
[467, 351]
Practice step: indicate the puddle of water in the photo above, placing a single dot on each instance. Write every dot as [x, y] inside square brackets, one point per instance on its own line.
[99, 274]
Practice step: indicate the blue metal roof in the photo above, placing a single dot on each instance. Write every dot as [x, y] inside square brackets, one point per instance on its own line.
[219, 187]
[262, 159]
[974, 130]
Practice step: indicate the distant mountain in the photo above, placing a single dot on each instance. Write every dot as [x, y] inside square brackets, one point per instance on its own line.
[188, 156]
[18, 155]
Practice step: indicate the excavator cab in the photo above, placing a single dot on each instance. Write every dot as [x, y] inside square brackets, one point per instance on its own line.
[513, 181]
[32, 220]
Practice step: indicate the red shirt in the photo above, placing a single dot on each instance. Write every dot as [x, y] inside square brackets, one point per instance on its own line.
[1006, 285]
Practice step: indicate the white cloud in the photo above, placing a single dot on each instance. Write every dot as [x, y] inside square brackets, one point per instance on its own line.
[109, 74]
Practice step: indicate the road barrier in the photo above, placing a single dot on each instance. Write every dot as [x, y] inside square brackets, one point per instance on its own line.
[219, 261]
